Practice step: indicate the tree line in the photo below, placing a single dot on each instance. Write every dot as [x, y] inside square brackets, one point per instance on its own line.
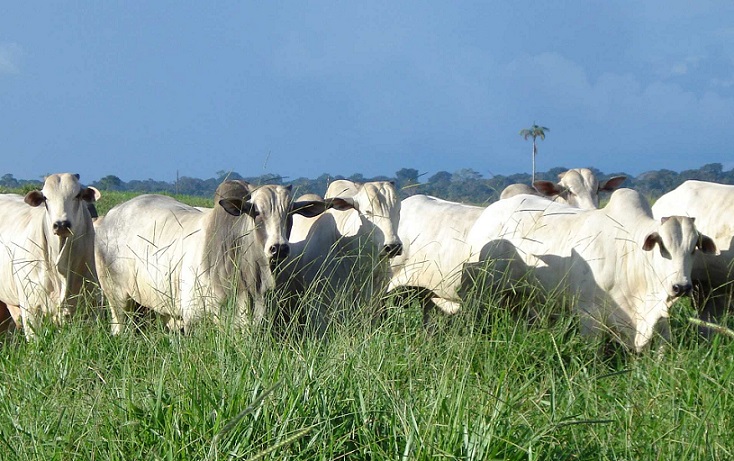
[464, 185]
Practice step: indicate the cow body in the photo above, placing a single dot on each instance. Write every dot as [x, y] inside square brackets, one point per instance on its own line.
[46, 252]
[434, 235]
[711, 204]
[577, 187]
[346, 249]
[622, 268]
[185, 262]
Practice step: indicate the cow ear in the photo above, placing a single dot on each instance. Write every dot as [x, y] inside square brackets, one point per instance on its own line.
[34, 198]
[651, 240]
[612, 184]
[238, 207]
[309, 208]
[341, 204]
[547, 188]
[76, 175]
[92, 209]
[90, 194]
[707, 245]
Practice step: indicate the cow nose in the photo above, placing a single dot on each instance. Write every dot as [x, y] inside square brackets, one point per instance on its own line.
[279, 251]
[62, 227]
[682, 289]
[393, 249]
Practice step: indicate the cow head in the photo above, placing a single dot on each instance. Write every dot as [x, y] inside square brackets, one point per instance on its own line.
[271, 208]
[379, 210]
[676, 240]
[578, 187]
[66, 203]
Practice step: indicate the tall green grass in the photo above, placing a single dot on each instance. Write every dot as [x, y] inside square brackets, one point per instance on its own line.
[367, 390]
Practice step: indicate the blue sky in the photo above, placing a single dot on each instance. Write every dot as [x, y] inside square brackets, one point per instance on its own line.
[148, 89]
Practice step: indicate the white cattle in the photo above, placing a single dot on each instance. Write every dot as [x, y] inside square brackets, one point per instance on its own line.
[345, 250]
[712, 205]
[184, 262]
[434, 233]
[46, 252]
[622, 267]
[578, 187]
[309, 197]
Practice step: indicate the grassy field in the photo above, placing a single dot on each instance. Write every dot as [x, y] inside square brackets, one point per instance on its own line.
[469, 389]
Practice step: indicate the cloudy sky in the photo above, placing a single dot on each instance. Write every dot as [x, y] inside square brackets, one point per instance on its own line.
[148, 89]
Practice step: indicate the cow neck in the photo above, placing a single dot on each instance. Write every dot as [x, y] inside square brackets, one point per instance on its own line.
[55, 248]
[650, 298]
[229, 248]
[56, 251]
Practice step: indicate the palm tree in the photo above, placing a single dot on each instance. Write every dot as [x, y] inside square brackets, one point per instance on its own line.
[534, 131]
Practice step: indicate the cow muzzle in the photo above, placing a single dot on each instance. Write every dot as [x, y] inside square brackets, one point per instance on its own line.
[279, 251]
[393, 249]
[682, 289]
[62, 228]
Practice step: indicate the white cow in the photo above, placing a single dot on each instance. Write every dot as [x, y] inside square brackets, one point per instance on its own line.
[46, 250]
[622, 267]
[434, 233]
[578, 187]
[184, 262]
[345, 250]
[712, 205]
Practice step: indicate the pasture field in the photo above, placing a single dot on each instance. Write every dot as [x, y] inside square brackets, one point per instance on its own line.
[470, 388]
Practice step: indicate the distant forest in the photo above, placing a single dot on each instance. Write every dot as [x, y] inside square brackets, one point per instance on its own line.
[464, 185]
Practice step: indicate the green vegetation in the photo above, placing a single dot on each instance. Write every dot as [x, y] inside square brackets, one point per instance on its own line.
[464, 185]
[112, 198]
[470, 388]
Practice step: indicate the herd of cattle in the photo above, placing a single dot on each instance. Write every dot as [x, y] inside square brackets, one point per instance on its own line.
[622, 266]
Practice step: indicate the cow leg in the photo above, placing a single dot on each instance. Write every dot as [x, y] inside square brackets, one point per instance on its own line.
[446, 306]
[15, 313]
[191, 313]
[712, 304]
[118, 315]
[662, 328]
[117, 319]
[241, 316]
[258, 310]
[172, 323]
[316, 306]
[590, 328]
[196, 301]
[30, 321]
[428, 307]
[250, 310]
